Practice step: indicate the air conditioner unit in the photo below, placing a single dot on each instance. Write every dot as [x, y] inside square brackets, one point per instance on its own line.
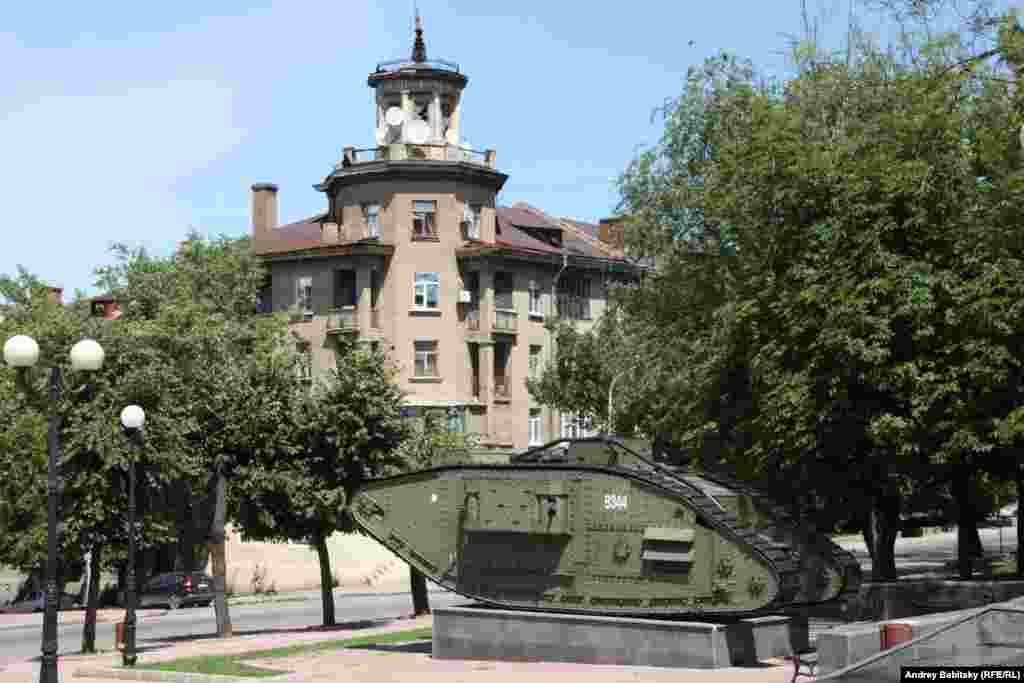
[465, 296]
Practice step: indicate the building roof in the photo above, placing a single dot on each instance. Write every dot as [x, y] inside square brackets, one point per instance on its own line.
[514, 227]
[578, 238]
[304, 234]
[525, 216]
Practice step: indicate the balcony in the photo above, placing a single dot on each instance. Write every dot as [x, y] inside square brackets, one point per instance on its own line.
[410, 152]
[297, 314]
[502, 388]
[375, 318]
[472, 320]
[342, 320]
[506, 321]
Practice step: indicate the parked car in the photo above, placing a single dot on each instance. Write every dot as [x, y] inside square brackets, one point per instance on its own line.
[36, 602]
[177, 589]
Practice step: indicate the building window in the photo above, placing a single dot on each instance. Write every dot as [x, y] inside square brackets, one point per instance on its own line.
[574, 298]
[504, 292]
[423, 227]
[456, 421]
[535, 309]
[536, 428]
[576, 427]
[426, 359]
[304, 296]
[534, 359]
[264, 301]
[471, 224]
[428, 290]
[370, 212]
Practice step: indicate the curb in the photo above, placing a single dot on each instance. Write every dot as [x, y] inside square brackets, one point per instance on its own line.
[123, 674]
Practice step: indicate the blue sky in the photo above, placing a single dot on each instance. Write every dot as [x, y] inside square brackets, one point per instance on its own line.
[132, 122]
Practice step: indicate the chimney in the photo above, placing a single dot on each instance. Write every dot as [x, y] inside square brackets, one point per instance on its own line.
[612, 231]
[56, 295]
[264, 211]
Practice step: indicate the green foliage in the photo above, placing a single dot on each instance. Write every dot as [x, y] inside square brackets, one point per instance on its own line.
[188, 348]
[836, 272]
[325, 443]
[429, 443]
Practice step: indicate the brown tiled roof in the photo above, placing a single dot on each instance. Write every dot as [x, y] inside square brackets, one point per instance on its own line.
[589, 228]
[525, 216]
[578, 238]
[304, 234]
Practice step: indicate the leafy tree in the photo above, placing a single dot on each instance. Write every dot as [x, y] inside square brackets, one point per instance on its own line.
[839, 300]
[327, 443]
[194, 313]
[430, 443]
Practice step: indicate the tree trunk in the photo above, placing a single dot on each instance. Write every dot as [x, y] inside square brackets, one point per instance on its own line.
[420, 598]
[977, 549]
[83, 587]
[961, 492]
[92, 601]
[880, 535]
[1020, 521]
[326, 579]
[218, 556]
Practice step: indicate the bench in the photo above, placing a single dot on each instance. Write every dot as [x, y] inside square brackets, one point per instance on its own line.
[808, 659]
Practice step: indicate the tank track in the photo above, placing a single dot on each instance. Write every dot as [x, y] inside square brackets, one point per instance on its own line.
[779, 555]
[783, 516]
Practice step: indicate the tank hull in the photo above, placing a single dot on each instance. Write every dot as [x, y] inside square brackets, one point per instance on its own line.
[611, 539]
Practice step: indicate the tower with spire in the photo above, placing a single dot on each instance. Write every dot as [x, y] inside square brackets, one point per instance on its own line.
[411, 256]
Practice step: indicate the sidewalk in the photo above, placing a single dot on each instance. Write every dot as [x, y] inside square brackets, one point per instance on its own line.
[386, 663]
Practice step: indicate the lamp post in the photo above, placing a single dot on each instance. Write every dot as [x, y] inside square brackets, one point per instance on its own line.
[132, 419]
[21, 352]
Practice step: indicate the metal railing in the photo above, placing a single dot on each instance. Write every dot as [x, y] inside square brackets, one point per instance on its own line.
[423, 152]
[364, 154]
[399, 64]
[473, 320]
[502, 387]
[341, 319]
[573, 308]
[298, 315]
[506, 321]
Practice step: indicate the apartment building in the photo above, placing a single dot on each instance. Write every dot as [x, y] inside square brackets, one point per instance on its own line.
[412, 256]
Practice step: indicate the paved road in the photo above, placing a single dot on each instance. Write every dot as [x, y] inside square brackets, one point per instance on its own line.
[934, 552]
[24, 642]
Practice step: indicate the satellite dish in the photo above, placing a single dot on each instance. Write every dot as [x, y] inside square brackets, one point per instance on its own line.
[417, 132]
[451, 136]
[394, 116]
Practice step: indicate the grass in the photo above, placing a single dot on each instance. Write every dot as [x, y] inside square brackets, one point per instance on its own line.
[231, 665]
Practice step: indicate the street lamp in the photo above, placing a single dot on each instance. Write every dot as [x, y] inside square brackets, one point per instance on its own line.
[132, 419]
[21, 352]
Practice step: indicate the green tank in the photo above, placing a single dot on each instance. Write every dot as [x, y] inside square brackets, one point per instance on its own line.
[595, 526]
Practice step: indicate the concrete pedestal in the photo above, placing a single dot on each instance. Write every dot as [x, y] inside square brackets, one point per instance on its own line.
[760, 638]
[480, 633]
